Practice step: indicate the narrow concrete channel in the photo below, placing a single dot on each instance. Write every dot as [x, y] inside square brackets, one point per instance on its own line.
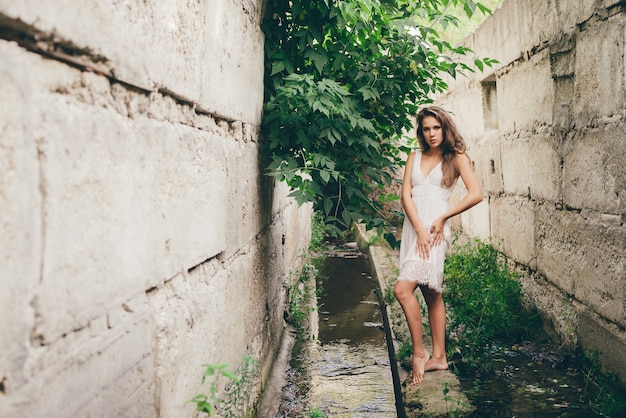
[342, 369]
[351, 376]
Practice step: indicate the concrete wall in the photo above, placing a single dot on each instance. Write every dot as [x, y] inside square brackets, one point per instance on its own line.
[547, 131]
[138, 236]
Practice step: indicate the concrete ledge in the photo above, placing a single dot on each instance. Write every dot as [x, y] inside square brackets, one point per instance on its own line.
[439, 395]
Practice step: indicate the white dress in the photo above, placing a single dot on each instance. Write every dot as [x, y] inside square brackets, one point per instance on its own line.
[431, 201]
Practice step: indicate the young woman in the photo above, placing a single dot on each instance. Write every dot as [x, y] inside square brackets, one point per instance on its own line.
[429, 178]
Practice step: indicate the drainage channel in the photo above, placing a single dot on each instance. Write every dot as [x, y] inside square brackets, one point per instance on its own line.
[344, 370]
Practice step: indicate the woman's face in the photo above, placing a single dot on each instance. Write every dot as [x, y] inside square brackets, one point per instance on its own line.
[432, 132]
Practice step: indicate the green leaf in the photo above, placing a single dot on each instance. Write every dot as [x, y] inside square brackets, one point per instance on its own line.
[277, 67]
[232, 376]
[328, 205]
[479, 64]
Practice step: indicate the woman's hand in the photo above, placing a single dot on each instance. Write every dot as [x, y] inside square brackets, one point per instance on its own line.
[424, 243]
[436, 232]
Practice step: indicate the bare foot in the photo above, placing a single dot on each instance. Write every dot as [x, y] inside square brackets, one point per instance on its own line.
[419, 362]
[440, 363]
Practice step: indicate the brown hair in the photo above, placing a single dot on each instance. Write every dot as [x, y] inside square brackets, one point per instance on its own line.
[451, 145]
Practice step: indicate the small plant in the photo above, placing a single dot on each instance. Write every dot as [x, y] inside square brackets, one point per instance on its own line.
[300, 296]
[389, 297]
[485, 300]
[208, 403]
[568, 317]
[236, 393]
[446, 390]
[405, 350]
[447, 398]
[606, 395]
[318, 231]
[315, 413]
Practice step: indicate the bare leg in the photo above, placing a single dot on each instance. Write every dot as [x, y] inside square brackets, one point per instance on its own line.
[437, 320]
[404, 291]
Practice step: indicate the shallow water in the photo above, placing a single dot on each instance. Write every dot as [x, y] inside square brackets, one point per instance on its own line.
[533, 379]
[349, 311]
[345, 371]
[351, 371]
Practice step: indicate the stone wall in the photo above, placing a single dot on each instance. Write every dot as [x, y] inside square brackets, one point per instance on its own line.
[547, 131]
[139, 238]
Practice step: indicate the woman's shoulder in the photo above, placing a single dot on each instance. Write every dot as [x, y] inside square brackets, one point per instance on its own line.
[413, 153]
[462, 157]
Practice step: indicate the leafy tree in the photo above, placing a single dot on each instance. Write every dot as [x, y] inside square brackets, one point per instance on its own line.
[343, 81]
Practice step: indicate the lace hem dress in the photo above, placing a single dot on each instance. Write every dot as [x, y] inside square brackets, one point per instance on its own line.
[431, 201]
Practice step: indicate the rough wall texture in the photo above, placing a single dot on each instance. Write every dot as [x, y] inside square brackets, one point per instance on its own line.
[138, 237]
[547, 132]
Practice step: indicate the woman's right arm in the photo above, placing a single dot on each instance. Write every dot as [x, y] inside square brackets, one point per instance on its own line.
[423, 237]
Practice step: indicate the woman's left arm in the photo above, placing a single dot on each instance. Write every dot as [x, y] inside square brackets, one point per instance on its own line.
[473, 196]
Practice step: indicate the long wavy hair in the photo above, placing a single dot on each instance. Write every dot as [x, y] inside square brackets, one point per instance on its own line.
[451, 145]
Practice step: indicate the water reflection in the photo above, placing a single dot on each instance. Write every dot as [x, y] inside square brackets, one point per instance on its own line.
[351, 375]
[348, 306]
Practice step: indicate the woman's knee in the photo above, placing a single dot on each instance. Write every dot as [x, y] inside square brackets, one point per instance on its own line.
[403, 290]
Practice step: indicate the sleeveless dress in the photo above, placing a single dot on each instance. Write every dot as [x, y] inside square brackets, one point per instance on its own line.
[431, 201]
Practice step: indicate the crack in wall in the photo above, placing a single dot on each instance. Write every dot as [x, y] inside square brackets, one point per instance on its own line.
[53, 47]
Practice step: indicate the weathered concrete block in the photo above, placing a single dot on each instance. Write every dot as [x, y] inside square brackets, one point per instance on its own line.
[496, 40]
[244, 196]
[593, 169]
[563, 62]
[606, 339]
[198, 307]
[477, 221]
[116, 363]
[558, 312]
[530, 167]
[21, 216]
[599, 82]
[126, 232]
[571, 256]
[522, 98]
[461, 107]
[511, 222]
[296, 235]
[210, 53]
[488, 165]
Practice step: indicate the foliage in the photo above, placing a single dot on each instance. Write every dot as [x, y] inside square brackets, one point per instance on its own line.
[300, 296]
[343, 80]
[605, 393]
[236, 392]
[389, 297]
[465, 25]
[317, 233]
[405, 350]
[453, 405]
[315, 413]
[485, 300]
